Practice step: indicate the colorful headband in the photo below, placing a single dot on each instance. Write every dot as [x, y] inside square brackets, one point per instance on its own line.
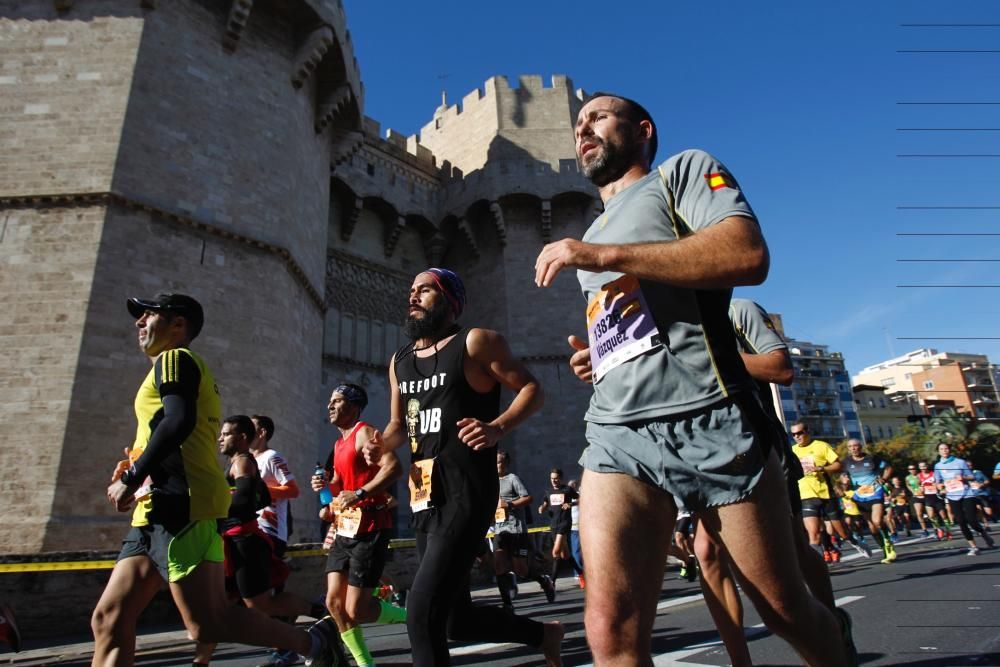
[353, 394]
[451, 286]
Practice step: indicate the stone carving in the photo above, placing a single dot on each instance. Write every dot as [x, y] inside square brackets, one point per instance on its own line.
[498, 222]
[311, 54]
[239, 14]
[361, 287]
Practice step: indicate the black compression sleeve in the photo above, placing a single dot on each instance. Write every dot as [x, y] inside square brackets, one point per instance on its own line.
[244, 503]
[179, 417]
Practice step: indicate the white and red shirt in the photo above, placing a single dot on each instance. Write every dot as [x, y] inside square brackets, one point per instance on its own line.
[273, 519]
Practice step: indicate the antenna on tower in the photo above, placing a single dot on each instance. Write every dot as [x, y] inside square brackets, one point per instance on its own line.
[444, 93]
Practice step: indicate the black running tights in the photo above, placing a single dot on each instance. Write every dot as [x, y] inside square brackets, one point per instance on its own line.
[439, 606]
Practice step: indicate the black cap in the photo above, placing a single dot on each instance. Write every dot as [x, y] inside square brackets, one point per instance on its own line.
[179, 304]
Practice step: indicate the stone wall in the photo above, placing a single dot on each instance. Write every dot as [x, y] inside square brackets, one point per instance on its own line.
[64, 86]
[210, 172]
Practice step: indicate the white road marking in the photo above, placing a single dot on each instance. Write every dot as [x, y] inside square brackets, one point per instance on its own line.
[667, 658]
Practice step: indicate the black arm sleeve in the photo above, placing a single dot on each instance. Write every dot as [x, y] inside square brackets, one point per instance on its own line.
[177, 377]
[244, 504]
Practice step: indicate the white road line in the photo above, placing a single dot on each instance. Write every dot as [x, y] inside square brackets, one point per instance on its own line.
[479, 648]
[658, 660]
[675, 657]
[676, 602]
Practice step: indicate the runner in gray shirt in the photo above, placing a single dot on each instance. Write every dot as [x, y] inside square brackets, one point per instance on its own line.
[510, 537]
[673, 411]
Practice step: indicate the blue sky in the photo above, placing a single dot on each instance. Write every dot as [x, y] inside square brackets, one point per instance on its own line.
[816, 108]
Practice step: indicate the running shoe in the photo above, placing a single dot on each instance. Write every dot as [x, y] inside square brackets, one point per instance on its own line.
[8, 628]
[280, 658]
[927, 533]
[890, 554]
[580, 580]
[827, 558]
[974, 551]
[940, 534]
[862, 549]
[847, 636]
[548, 588]
[947, 536]
[692, 571]
[331, 653]
[835, 555]
[989, 540]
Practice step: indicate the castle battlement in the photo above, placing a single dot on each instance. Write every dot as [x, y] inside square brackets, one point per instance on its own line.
[396, 143]
[468, 134]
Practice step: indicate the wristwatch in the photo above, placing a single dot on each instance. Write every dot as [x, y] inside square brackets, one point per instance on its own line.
[360, 493]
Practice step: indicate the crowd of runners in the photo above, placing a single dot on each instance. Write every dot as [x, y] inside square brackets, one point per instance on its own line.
[680, 425]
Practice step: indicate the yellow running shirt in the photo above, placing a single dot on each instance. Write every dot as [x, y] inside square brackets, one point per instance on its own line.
[192, 473]
[812, 456]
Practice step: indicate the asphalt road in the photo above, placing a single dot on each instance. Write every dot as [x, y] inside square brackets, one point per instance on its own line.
[933, 607]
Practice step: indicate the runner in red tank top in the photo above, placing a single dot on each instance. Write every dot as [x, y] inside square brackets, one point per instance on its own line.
[358, 555]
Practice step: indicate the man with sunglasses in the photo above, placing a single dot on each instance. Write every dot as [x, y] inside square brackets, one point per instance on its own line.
[818, 461]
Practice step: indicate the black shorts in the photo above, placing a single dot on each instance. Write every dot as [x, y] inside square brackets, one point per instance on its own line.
[826, 508]
[867, 505]
[514, 543]
[685, 525]
[363, 557]
[934, 501]
[250, 562]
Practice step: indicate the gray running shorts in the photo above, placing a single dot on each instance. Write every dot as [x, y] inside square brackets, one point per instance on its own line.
[705, 458]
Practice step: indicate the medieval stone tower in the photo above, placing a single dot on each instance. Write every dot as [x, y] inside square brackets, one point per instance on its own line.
[220, 148]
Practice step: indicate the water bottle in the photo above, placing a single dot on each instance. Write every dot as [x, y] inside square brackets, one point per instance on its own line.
[325, 495]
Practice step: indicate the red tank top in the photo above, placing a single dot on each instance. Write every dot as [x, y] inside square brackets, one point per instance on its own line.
[928, 483]
[354, 473]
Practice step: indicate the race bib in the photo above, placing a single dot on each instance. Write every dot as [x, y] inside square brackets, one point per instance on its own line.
[954, 485]
[808, 464]
[420, 485]
[620, 326]
[900, 500]
[349, 521]
[557, 499]
[501, 514]
[849, 506]
[866, 490]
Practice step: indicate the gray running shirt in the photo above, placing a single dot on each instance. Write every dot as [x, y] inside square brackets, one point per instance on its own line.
[511, 488]
[754, 328]
[660, 350]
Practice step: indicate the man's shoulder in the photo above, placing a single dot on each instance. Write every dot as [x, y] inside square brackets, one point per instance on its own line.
[686, 157]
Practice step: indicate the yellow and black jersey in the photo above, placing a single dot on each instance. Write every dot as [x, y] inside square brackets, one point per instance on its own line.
[189, 479]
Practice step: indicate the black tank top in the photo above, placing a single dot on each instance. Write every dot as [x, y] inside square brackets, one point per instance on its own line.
[435, 395]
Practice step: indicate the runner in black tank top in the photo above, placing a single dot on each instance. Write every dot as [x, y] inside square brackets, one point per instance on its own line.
[445, 393]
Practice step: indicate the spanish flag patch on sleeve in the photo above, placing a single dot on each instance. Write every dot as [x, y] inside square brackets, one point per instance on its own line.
[719, 180]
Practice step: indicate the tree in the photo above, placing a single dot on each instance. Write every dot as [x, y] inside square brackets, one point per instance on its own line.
[980, 444]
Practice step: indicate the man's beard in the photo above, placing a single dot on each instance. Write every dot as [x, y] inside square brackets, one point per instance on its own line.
[611, 164]
[430, 324]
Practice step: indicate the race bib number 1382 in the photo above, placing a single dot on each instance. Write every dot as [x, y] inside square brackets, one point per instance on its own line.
[619, 325]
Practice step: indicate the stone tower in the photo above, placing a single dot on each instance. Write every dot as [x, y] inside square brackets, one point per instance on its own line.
[220, 149]
[180, 146]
